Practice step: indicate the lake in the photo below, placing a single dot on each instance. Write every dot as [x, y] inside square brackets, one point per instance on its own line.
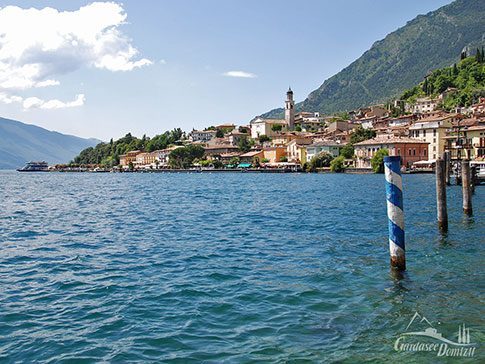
[230, 268]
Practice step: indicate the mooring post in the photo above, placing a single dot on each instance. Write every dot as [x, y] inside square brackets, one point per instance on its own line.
[441, 194]
[395, 212]
[466, 187]
[446, 157]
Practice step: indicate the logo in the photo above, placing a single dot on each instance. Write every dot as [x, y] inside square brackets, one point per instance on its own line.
[430, 340]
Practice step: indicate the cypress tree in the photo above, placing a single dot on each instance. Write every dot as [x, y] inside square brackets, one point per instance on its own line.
[478, 56]
[455, 70]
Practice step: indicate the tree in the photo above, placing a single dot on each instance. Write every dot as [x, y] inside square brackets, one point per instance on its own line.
[347, 151]
[321, 159]
[244, 145]
[377, 161]
[360, 134]
[264, 138]
[264, 160]
[298, 128]
[337, 165]
[284, 159]
[276, 127]
[183, 157]
[234, 161]
[219, 133]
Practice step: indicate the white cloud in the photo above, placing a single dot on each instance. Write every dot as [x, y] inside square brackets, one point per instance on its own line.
[34, 102]
[239, 74]
[38, 45]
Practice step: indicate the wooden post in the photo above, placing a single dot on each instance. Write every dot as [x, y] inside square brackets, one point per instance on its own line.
[441, 194]
[466, 187]
[395, 214]
[446, 157]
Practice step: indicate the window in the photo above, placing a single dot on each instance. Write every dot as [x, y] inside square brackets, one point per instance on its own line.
[409, 151]
[424, 133]
[434, 132]
[434, 148]
[424, 152]
[414, 151]
[398, 151]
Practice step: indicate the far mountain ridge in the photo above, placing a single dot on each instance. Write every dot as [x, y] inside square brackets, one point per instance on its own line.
[401, 60]
[20, 143]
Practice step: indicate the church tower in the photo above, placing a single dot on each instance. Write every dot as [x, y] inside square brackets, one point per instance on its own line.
[290, 110]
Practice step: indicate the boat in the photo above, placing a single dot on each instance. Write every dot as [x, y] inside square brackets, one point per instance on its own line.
[35, 167]
[479, 166]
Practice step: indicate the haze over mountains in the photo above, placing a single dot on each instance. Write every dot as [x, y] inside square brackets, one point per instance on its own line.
[401, 60]
[20, 143]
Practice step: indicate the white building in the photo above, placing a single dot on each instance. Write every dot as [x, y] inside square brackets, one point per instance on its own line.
[260, 126]
[202, 136]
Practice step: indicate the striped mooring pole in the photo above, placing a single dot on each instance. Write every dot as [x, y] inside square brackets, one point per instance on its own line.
[395, 213]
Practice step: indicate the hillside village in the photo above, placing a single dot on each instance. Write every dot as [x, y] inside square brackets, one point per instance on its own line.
[419, 136]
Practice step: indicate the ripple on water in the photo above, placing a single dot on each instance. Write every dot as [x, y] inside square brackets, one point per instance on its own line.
[227, 268]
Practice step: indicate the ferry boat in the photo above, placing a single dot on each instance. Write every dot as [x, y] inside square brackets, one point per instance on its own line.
[479, 165]
[35, 167]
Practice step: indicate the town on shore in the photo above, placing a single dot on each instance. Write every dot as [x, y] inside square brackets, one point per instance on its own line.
[354, 142]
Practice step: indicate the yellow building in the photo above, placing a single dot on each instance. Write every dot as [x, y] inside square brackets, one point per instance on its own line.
[467, 143]
[296, 150]
[125, 159]
[274, 154]
[432, 129]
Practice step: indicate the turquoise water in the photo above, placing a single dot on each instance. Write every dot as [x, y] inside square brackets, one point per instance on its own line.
[229, 268]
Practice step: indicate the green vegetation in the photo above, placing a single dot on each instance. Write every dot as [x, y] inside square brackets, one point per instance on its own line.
[284, 159]
[244, 144]
[183, 157]
[276, 127]
[347, 151]
[264, 160]
[401, 60]
[377, 161]
[337, 165]
[264, 138]
[298, 128]
[360, 134]
[107, 154]
[321, 159]
[219, 133]
[468, 78]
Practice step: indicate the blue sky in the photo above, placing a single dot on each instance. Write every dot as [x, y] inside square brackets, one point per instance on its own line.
[90, 82]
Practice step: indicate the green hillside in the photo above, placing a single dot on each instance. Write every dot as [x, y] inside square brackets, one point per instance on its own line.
[401, 60]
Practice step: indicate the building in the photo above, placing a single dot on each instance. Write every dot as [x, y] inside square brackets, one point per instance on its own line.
[251, 156]
[308, 121]
[274, 154]
[296, 150]
[128, 158]
[216, 150]
[411, 150]
[227, 127]
[202, 136]
[322, 145]
[260, 126]
[162, 155]
[144, 159]
[235, 137]
[290, 110]
[424, 105]
[466, 143]
[432, 129]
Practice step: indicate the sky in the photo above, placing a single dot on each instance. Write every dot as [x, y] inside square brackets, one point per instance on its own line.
[103, 69]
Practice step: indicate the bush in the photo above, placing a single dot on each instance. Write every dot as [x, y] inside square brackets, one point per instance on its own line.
[284, 159]
[337, 165]
[321, 159]
[347, 151]
[377, 161]
[264, 160]
[264, 138]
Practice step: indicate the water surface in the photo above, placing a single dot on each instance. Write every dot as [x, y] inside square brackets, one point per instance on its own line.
[228, 268]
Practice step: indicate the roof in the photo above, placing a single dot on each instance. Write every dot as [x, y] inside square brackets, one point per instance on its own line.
[324, 143]
[251, 153]
[221, 146]
[271, 121]
[390, 140]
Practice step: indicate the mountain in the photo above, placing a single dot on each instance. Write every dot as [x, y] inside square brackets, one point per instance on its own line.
[401, 60]
[20, 143]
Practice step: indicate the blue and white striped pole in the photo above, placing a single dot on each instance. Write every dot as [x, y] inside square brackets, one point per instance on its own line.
[395, 212]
